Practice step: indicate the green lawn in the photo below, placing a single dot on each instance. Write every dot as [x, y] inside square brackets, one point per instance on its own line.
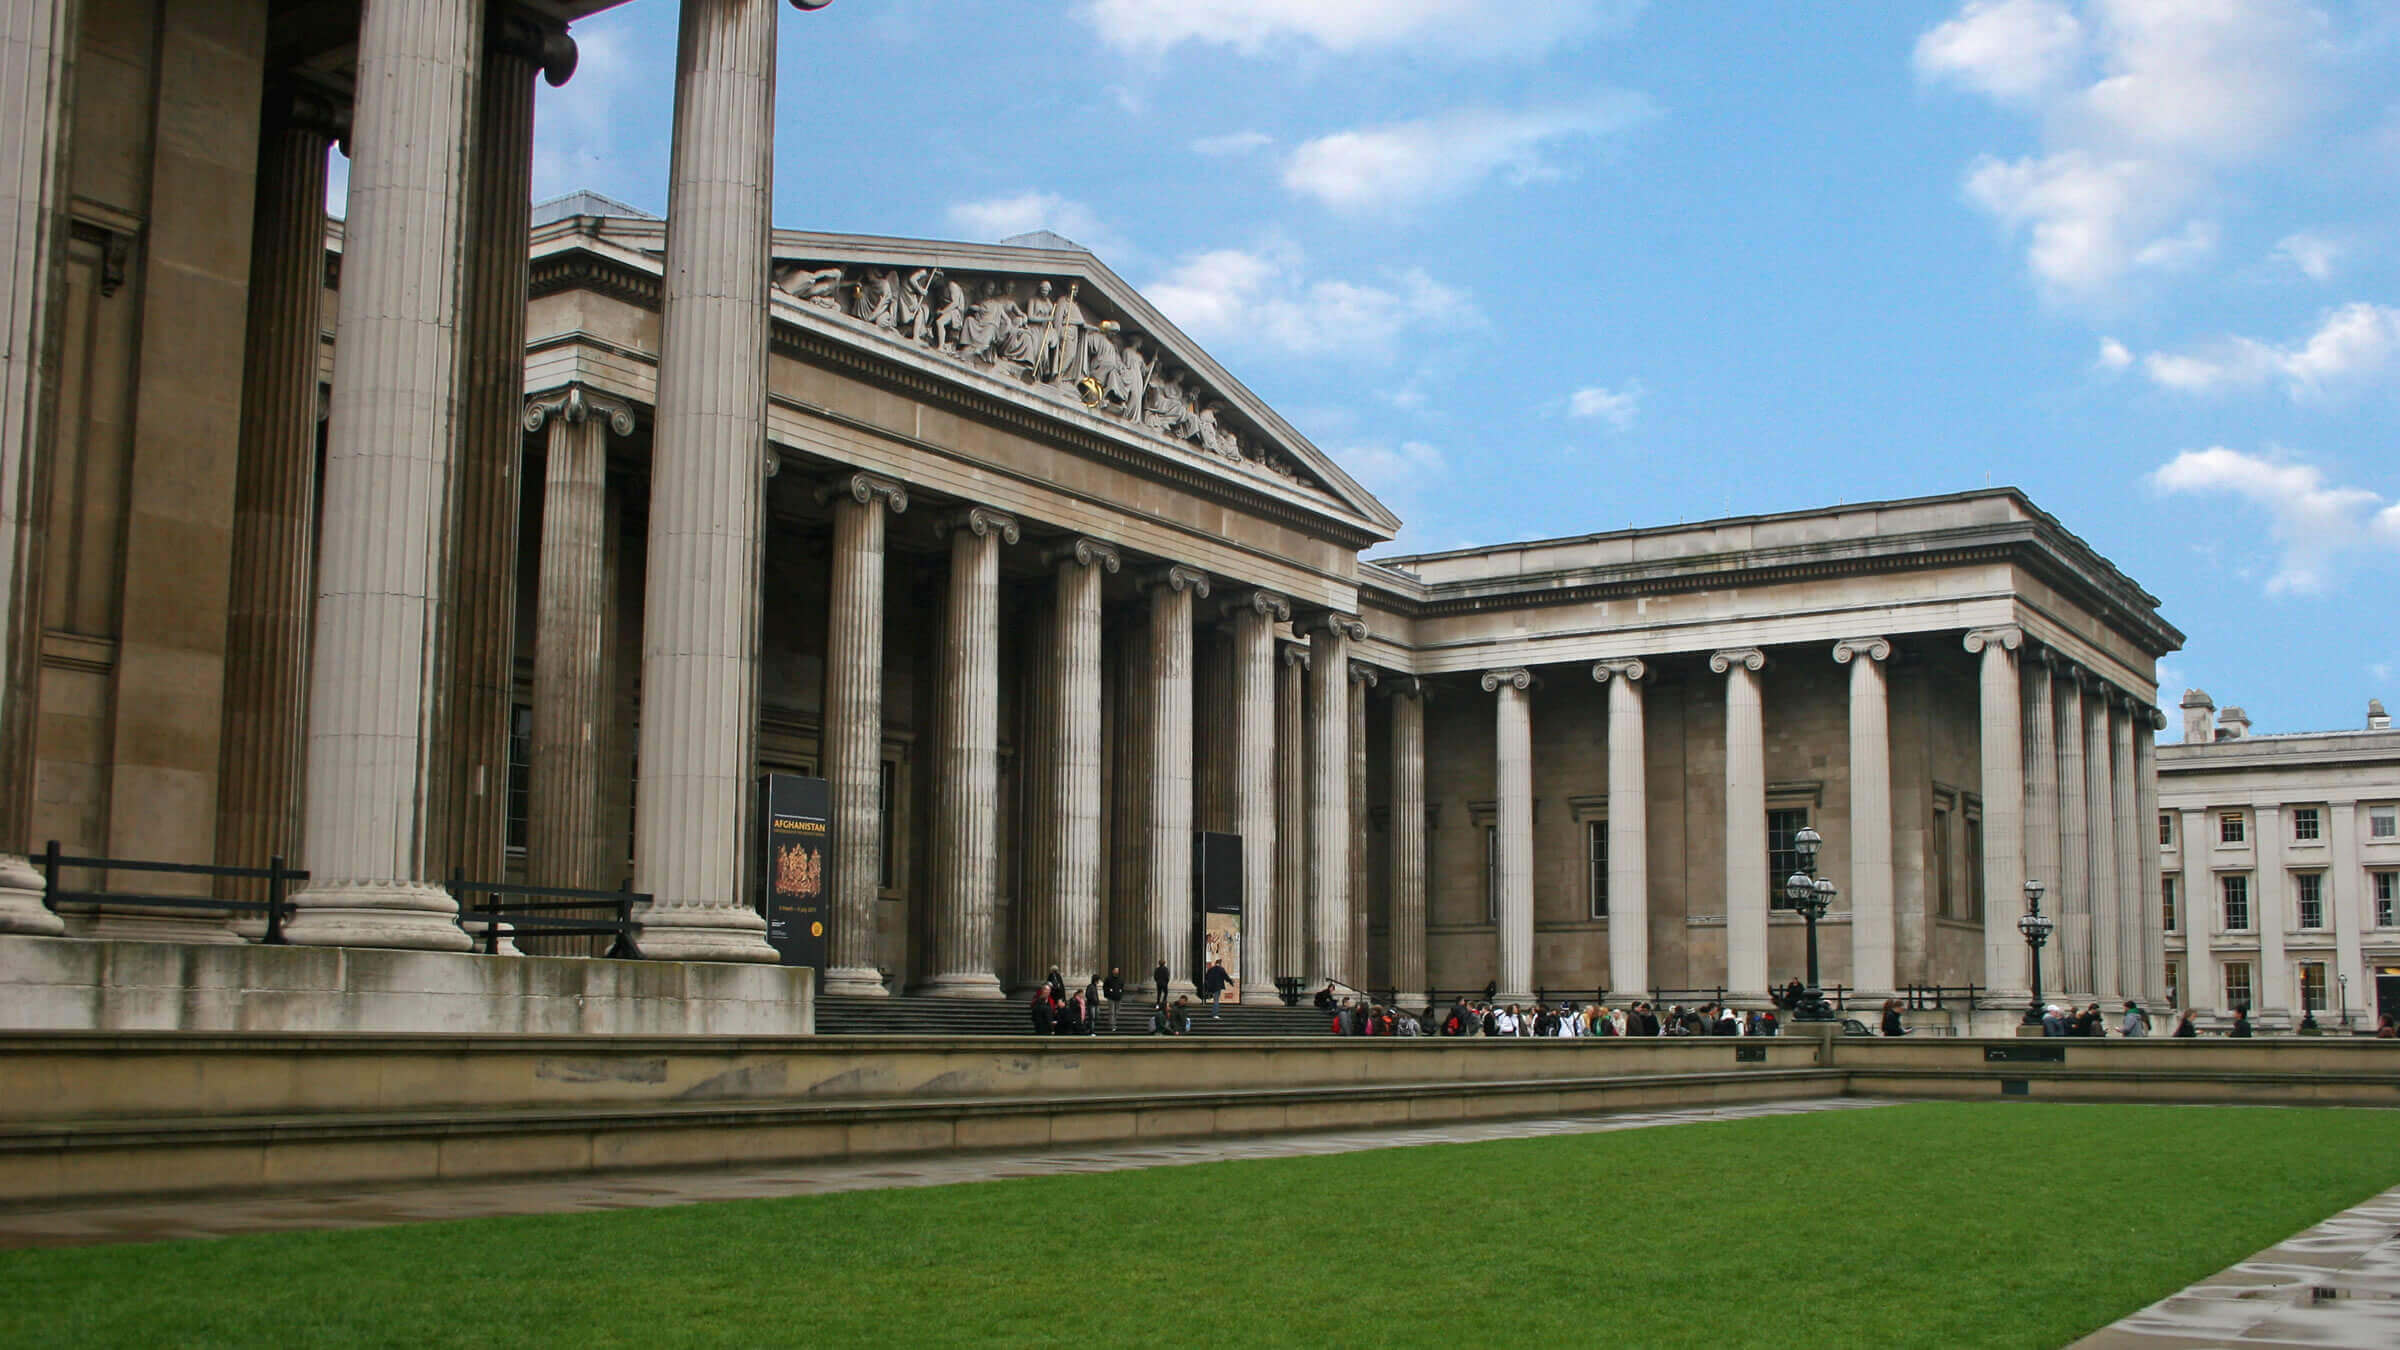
[2021, 1224]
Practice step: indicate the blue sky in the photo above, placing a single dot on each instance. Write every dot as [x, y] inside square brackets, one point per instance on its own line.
[1534, 267]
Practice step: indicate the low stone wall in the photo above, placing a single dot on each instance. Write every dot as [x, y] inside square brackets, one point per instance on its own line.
[73, 984]
[2282, 1070]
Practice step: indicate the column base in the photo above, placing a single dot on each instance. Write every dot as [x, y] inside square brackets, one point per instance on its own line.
[855, 982]
[1519, 997]
[411, 915]
[965, 986]
[21, 909]
[135, 924]
[704, 933]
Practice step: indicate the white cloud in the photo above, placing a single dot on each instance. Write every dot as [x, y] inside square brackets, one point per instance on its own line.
[1617, 407]
[1408, 163]
[2313, 254]
[997, 218]
[2318, 529]
[1469, 28]
[1266, 297]
[2351, 346]
[1232, 143]
[1404, 477]
[2113, 355]
[2143, 106]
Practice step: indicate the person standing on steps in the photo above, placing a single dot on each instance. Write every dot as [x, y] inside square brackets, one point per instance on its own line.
[1159, 977]
[1113, 989]
[1213, 984]
[1058, 986]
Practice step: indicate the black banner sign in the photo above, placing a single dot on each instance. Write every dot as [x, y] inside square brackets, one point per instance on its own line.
[2035, 1053]
[799, 866]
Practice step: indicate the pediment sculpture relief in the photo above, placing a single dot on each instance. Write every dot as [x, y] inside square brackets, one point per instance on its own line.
[1057, 341]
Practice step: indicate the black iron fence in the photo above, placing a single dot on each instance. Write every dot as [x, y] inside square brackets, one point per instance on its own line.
[546, 911]
[1940, 997]
[277, 907]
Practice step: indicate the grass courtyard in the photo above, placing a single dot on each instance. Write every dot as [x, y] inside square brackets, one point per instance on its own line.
[2017, 1224]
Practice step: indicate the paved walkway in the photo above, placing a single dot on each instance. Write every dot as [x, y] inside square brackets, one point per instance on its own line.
[2334, 1285]
[372, 1207]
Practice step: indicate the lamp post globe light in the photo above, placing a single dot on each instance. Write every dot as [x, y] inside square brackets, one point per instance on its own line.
[2036, 927]
[1811, 895]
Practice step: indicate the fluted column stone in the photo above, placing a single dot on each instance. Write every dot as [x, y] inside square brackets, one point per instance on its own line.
[1290, 947]
[570, 695]
[1512, 761]
[2100, 792]
[853, 724]
[1167, 876]
[1362, 679]
[2002, 753]
[2154, 933]
[1746, 898]
[275, 501]
[2074, 889]
[1254, 618]
[707, 494]
[1129, 932]
[966, 790]
[1408, 862]
[1329, 805]
[1070, 930]
[2133, 835]
[1874, 951]
[2041, 790]
[375, 701]
[1628, 829]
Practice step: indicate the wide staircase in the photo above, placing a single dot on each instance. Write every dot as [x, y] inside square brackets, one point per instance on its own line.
[839, 1015]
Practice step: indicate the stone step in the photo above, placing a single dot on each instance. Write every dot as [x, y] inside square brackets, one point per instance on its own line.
[839, 1015]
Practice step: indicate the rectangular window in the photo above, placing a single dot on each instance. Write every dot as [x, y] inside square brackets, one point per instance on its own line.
[1491, 874]
[520, 775]
[1782, 858]
[2312, 986]
[2236, 889]
[2387, 898]
[2167, 886]
[2383, 822]
[2232, 828]
[2174, 984]
[1596, 835]
[2237, 984]
[1975, 867]
[1943, 904]
[2308, 898]
[2166, 829]
[2305, 825]
[887, 773]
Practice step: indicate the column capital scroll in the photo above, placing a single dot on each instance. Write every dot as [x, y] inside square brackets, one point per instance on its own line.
[1409, 686]
[2007, 637]
[1331, 621]
[1176, 577]
[864, 488]
[1083, 552]
[1631, 669]
[536, 39]
[2157, 719]
[979, 521]
[1274, 606]
[1295, 654]
[577, 403]
[1362, 673]
[1749, 657]
[1872, 648]
[1515, 677]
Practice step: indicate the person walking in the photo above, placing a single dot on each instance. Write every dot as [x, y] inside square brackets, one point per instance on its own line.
[1159, 977]
[1213, 984]
[2185, 1028]
[2137, 1022]
[1891, 1018]
[1113, 989]
[2240, 1030]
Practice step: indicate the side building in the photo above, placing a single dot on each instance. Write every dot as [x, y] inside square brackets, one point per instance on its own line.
[2280, 862]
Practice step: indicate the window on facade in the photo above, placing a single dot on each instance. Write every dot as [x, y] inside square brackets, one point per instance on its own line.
[1596, 847]
[2167, 886]
[1782, 858]
[2236, 890]
[1975, 867]
[2383, 822]
[887, 774]
[2232, 828]
[2174, 984]
[2308, 898]
[1491, 874]
[2312, 986]
[2306, 825]
[2386, 889]
[520, 774]
[1944, 905]
[2166, 829]
[2237, 984]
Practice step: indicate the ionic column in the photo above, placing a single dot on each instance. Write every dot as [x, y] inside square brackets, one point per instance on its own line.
[479, 626]
[1071, 935]
[2133, 834]
[37, 49]
[1329, 805]
[1254, 761]
[853, 724]
[275, 500]
[570, 695]
[2272, 987]
[2074, 888]
[1129, 799]
[1628, 829]
[966, 792]
[1362, 678]
[1873, 944]
[1291, 910]
[2003, 779]
[700, 599]
[2099, 798]
[2154, 931]
[1167, 875]
[374, 704]
[1036, 826]
[2041, 794]
[1512, 760]
[1408, 835]
[1745, 820]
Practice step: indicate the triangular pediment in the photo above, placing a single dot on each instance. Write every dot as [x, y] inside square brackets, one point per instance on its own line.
[1056, 325]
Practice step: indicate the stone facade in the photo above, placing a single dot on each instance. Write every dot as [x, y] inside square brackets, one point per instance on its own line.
[2280, 857]
[970, 530]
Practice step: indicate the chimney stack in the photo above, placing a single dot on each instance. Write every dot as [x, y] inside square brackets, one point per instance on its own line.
[2199, 717]
[2377, 718]
[2232, 724]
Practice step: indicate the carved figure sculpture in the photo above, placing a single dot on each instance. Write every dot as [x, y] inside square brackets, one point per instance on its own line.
[953, 316]
[820, 287]
[1214, 438]
[1128, 380]
[879, 298]
[1067, 353]
[1164, 408]
[916, 303]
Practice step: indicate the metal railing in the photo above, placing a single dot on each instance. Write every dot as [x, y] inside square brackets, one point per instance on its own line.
[538, 915]
[1938, 997]
[276, 907]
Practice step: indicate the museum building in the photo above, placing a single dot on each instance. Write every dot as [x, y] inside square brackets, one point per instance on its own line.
[520, 543]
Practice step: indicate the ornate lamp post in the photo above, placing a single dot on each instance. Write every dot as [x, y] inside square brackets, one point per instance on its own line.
[2036, 927]
[1811, 895]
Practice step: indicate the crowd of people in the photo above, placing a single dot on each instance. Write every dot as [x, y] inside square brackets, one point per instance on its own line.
[1058, 1012]
[1488, 1017]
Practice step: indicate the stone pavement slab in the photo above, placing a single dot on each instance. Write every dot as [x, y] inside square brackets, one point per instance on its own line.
[366, 1207]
